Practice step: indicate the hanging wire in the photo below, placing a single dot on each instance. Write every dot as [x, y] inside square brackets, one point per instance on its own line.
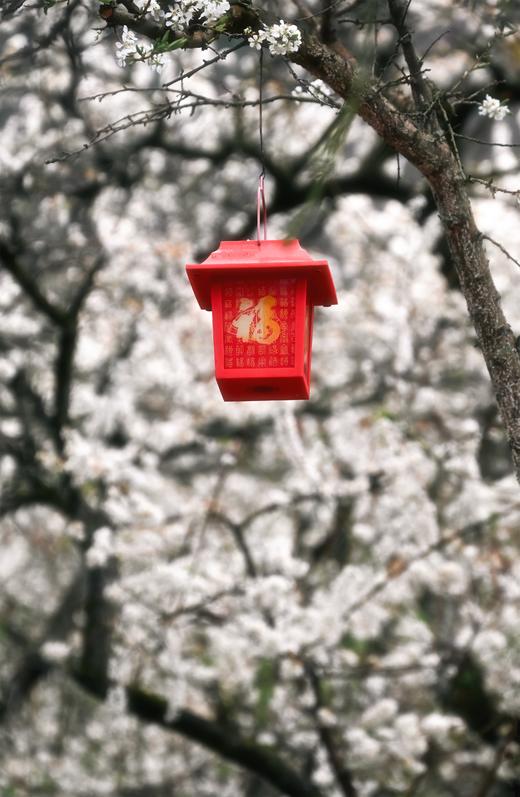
[261, 208]
[260, 111]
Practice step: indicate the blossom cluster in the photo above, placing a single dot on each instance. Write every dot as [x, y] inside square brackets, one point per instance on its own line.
[493, 108]
[150, 7]
[281, 38]
[101, 549]
[131, 49]
[180, 15]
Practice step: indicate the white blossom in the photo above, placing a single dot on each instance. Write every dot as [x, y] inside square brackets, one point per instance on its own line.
[364, 749]
[438, 726]
[380, 713]
[55, 651]
[152, 8]
[156, 61]
[281, 38]
[214, 9]
[131, 50]
[256, 39]
[326, 717]
[323, 775]
[180, 15]
[493, 108]
[127, 47]
[409, 739]
[489, 643]
[101, 549]
[116, 699]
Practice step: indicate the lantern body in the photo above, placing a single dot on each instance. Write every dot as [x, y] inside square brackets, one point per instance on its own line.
[262, 295]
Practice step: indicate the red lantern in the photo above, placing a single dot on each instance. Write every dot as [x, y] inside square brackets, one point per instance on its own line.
[262, 295]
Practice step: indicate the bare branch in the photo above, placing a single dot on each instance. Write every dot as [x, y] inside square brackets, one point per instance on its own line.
[492, 188]
[420, 90]
[486, 143]
[499, 246]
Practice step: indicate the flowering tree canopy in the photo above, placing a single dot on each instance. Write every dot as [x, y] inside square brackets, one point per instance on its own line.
[304, 598]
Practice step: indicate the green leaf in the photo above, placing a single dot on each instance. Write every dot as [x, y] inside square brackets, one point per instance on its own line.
[178, 44]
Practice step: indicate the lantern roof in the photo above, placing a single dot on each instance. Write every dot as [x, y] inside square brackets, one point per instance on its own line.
[283, 259]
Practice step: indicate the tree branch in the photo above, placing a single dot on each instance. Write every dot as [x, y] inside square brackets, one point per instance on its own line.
[254, 757]
[64, 363]
[420, 90]
[327, 737]
[28, 285]
[34, 666]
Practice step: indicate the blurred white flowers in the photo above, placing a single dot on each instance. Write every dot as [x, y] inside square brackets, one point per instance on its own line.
[101, 549]
[55, 651]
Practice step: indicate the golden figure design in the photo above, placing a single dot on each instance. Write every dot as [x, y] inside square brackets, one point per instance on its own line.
[257, 323]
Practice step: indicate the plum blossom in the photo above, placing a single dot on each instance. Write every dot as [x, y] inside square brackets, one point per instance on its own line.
[380, 713]
[156, 61]
[281, 38]
[326, 717]
[364, 749]
[180, 15]
[150, 7]
[493, 108]
[214, 9]
[127, 47]
[131, 50]
[102, 548]
[440, 727]
[55, 651]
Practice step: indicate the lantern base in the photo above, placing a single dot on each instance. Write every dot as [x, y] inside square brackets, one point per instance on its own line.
[256, 388]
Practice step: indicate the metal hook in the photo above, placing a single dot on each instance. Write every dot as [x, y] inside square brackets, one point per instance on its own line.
[261, 208]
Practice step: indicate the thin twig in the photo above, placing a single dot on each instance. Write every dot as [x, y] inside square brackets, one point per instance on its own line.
[489, 184]
[492, 240]
[161, 112]
[485, 143]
